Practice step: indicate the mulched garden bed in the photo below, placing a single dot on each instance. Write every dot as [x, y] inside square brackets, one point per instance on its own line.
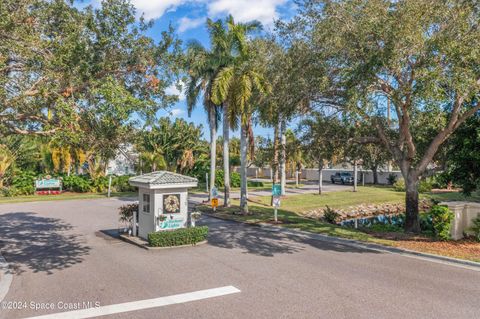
[464, 248]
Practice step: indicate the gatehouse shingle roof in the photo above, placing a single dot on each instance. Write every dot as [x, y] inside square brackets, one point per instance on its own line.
[163, 178]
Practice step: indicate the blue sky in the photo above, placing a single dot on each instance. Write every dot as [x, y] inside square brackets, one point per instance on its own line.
[188, 18]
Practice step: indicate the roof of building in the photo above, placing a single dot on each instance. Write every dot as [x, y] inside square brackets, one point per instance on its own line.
[163, 178]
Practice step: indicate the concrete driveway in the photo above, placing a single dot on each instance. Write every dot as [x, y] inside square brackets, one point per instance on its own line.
[61, 251]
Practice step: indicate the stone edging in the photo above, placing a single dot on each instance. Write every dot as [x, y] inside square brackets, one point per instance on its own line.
[5, 278]
[472, 265]
[142, 244]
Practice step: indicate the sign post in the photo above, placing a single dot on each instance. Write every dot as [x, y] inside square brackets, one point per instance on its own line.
[276, 193]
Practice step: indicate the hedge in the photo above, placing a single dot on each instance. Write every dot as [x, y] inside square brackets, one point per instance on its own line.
[178, 237]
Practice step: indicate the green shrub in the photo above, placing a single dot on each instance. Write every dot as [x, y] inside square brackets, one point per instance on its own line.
[23, 183]
[330, 215]
[235, 179]
[399, 185]
[440, 180]
[100, 184]
[121, 184]
[476, 228]
[178, 237]
[392, 178]
[441, 220]
[9, 191]
[255, 184]
[77, 183]
[220, 180]
[424, 186]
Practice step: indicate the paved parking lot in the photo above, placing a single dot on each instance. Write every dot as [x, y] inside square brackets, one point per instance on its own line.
[62, 251]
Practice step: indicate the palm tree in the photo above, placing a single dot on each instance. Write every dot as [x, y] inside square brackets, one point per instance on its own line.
[203, 66]
[236, 85]
[228, 40]
[235, 44]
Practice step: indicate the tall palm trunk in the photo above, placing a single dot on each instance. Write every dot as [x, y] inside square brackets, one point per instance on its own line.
[243, 169]
[213, 149]
[283, 156]
[226, 155]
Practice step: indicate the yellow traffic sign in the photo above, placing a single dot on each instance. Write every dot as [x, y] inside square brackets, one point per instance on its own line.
[214, 202]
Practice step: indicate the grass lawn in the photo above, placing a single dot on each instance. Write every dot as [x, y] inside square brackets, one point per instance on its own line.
[289, 216]
[341, 199]
[63, 196]
[455, 196]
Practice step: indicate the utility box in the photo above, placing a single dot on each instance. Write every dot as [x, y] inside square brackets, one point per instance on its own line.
[162, 202]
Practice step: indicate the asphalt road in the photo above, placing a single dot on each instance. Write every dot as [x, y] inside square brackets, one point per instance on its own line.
[61, 251]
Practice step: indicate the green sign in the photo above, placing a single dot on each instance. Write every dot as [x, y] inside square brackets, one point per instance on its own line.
[48, 183]
[277, 190]
[172, 223]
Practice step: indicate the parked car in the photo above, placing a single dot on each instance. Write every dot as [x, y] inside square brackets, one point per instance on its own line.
[342, 177]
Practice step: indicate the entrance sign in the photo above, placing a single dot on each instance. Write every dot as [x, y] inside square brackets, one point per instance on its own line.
[47, 186]
[48, 183]
[276, 190]
[214, 192]
[170, 223]
[276, 193]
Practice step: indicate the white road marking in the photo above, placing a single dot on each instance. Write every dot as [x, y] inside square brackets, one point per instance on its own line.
[5, 278]
[142, 304]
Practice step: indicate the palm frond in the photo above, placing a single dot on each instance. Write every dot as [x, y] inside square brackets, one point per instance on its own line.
[221, 85]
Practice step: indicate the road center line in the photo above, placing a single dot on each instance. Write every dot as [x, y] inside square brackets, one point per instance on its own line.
[142, 304]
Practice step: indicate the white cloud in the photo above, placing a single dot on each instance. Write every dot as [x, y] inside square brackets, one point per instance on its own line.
[186, 23]
[173, 90]
[264, 11]
[176, 112]
[154, 9]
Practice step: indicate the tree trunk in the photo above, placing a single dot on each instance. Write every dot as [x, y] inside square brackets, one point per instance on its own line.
[226, 155]
[213, 150]
[243, 170]
[355, 173]
[375, 174]
[412, 222]
[320, 176]
[283, 156]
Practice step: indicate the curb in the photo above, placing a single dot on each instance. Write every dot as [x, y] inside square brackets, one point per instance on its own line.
[472, 265]
[5, 278]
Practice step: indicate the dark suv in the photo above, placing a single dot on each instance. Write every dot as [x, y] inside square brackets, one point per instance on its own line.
[342, 177]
